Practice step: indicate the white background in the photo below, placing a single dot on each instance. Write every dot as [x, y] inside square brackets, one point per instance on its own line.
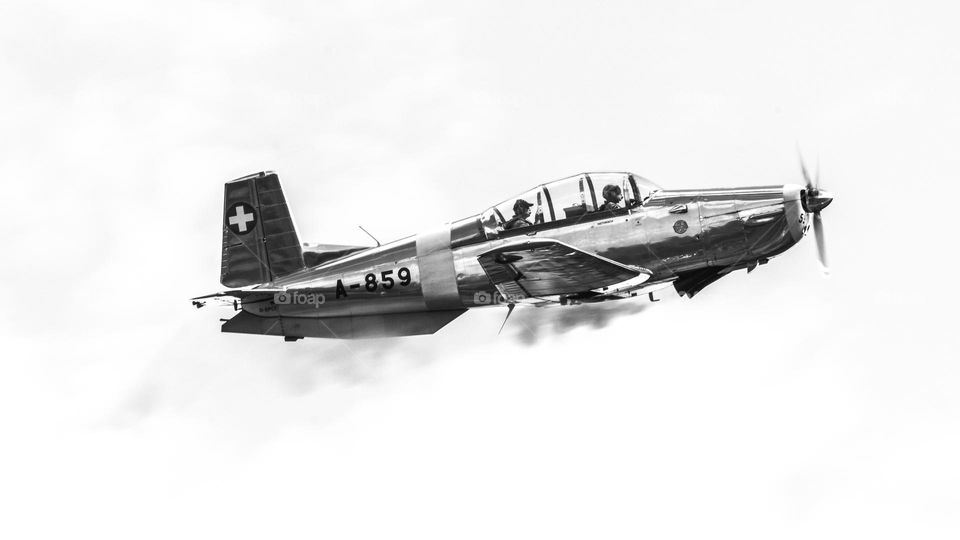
[775, 405]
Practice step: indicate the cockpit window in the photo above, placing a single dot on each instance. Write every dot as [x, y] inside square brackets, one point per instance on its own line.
[644, 188]
[570, 198]
[524, 210]
[622, 190]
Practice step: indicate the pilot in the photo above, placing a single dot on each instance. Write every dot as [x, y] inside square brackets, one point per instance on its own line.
[612, 195]
[521, 211]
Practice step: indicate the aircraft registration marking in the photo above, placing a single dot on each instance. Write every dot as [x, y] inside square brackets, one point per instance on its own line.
[386, 281]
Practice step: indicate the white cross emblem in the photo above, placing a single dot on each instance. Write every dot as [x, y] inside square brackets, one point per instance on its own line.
[241, 219]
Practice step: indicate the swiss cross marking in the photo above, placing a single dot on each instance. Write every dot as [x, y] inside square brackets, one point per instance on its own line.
[241, 218]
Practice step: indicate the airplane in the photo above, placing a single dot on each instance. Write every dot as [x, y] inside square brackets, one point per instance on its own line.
[590, 237]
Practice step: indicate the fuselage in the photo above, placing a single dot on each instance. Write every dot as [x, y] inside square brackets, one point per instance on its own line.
[686, 237]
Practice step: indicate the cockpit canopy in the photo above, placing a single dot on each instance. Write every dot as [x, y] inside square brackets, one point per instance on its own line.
[570, 198]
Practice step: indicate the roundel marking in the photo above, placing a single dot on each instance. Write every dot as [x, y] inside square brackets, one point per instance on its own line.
[680, 226]
[241, 218]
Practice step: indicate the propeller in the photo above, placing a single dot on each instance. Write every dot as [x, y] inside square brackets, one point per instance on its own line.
[814, 200]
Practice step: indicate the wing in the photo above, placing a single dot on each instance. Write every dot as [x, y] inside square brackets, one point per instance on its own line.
[537, 268]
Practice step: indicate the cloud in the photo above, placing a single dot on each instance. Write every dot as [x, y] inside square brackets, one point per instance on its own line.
[250, 387]
[121, 122]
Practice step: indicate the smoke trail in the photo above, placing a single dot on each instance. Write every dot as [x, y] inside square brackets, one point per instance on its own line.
[533, 324]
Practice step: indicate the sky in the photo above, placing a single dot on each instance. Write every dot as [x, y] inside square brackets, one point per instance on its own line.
[775, 404]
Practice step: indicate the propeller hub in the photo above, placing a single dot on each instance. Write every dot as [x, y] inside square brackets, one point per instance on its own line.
[815, 200]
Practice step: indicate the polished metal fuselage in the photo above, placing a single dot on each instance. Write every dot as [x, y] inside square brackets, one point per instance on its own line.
[673, 233]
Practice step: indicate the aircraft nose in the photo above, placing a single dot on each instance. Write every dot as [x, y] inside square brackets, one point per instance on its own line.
[816, 200]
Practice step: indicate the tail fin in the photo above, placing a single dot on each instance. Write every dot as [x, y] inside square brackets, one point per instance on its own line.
[260, 242]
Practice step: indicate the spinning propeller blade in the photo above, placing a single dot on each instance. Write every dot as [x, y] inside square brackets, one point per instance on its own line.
[815, 200]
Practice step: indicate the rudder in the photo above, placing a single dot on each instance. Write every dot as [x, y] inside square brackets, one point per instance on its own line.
[260, 241]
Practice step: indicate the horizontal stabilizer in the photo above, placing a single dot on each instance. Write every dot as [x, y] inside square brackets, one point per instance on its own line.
[348, 327]
[317, 254]
[241, 294]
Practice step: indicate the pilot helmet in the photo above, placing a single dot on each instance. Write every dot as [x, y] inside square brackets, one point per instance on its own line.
[521, 206]
[611, 192]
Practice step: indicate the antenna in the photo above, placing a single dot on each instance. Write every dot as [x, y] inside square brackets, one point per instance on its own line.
[510, 307]
[370, 235]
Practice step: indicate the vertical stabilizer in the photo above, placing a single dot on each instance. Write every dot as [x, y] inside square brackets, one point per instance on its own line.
[260, 242]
